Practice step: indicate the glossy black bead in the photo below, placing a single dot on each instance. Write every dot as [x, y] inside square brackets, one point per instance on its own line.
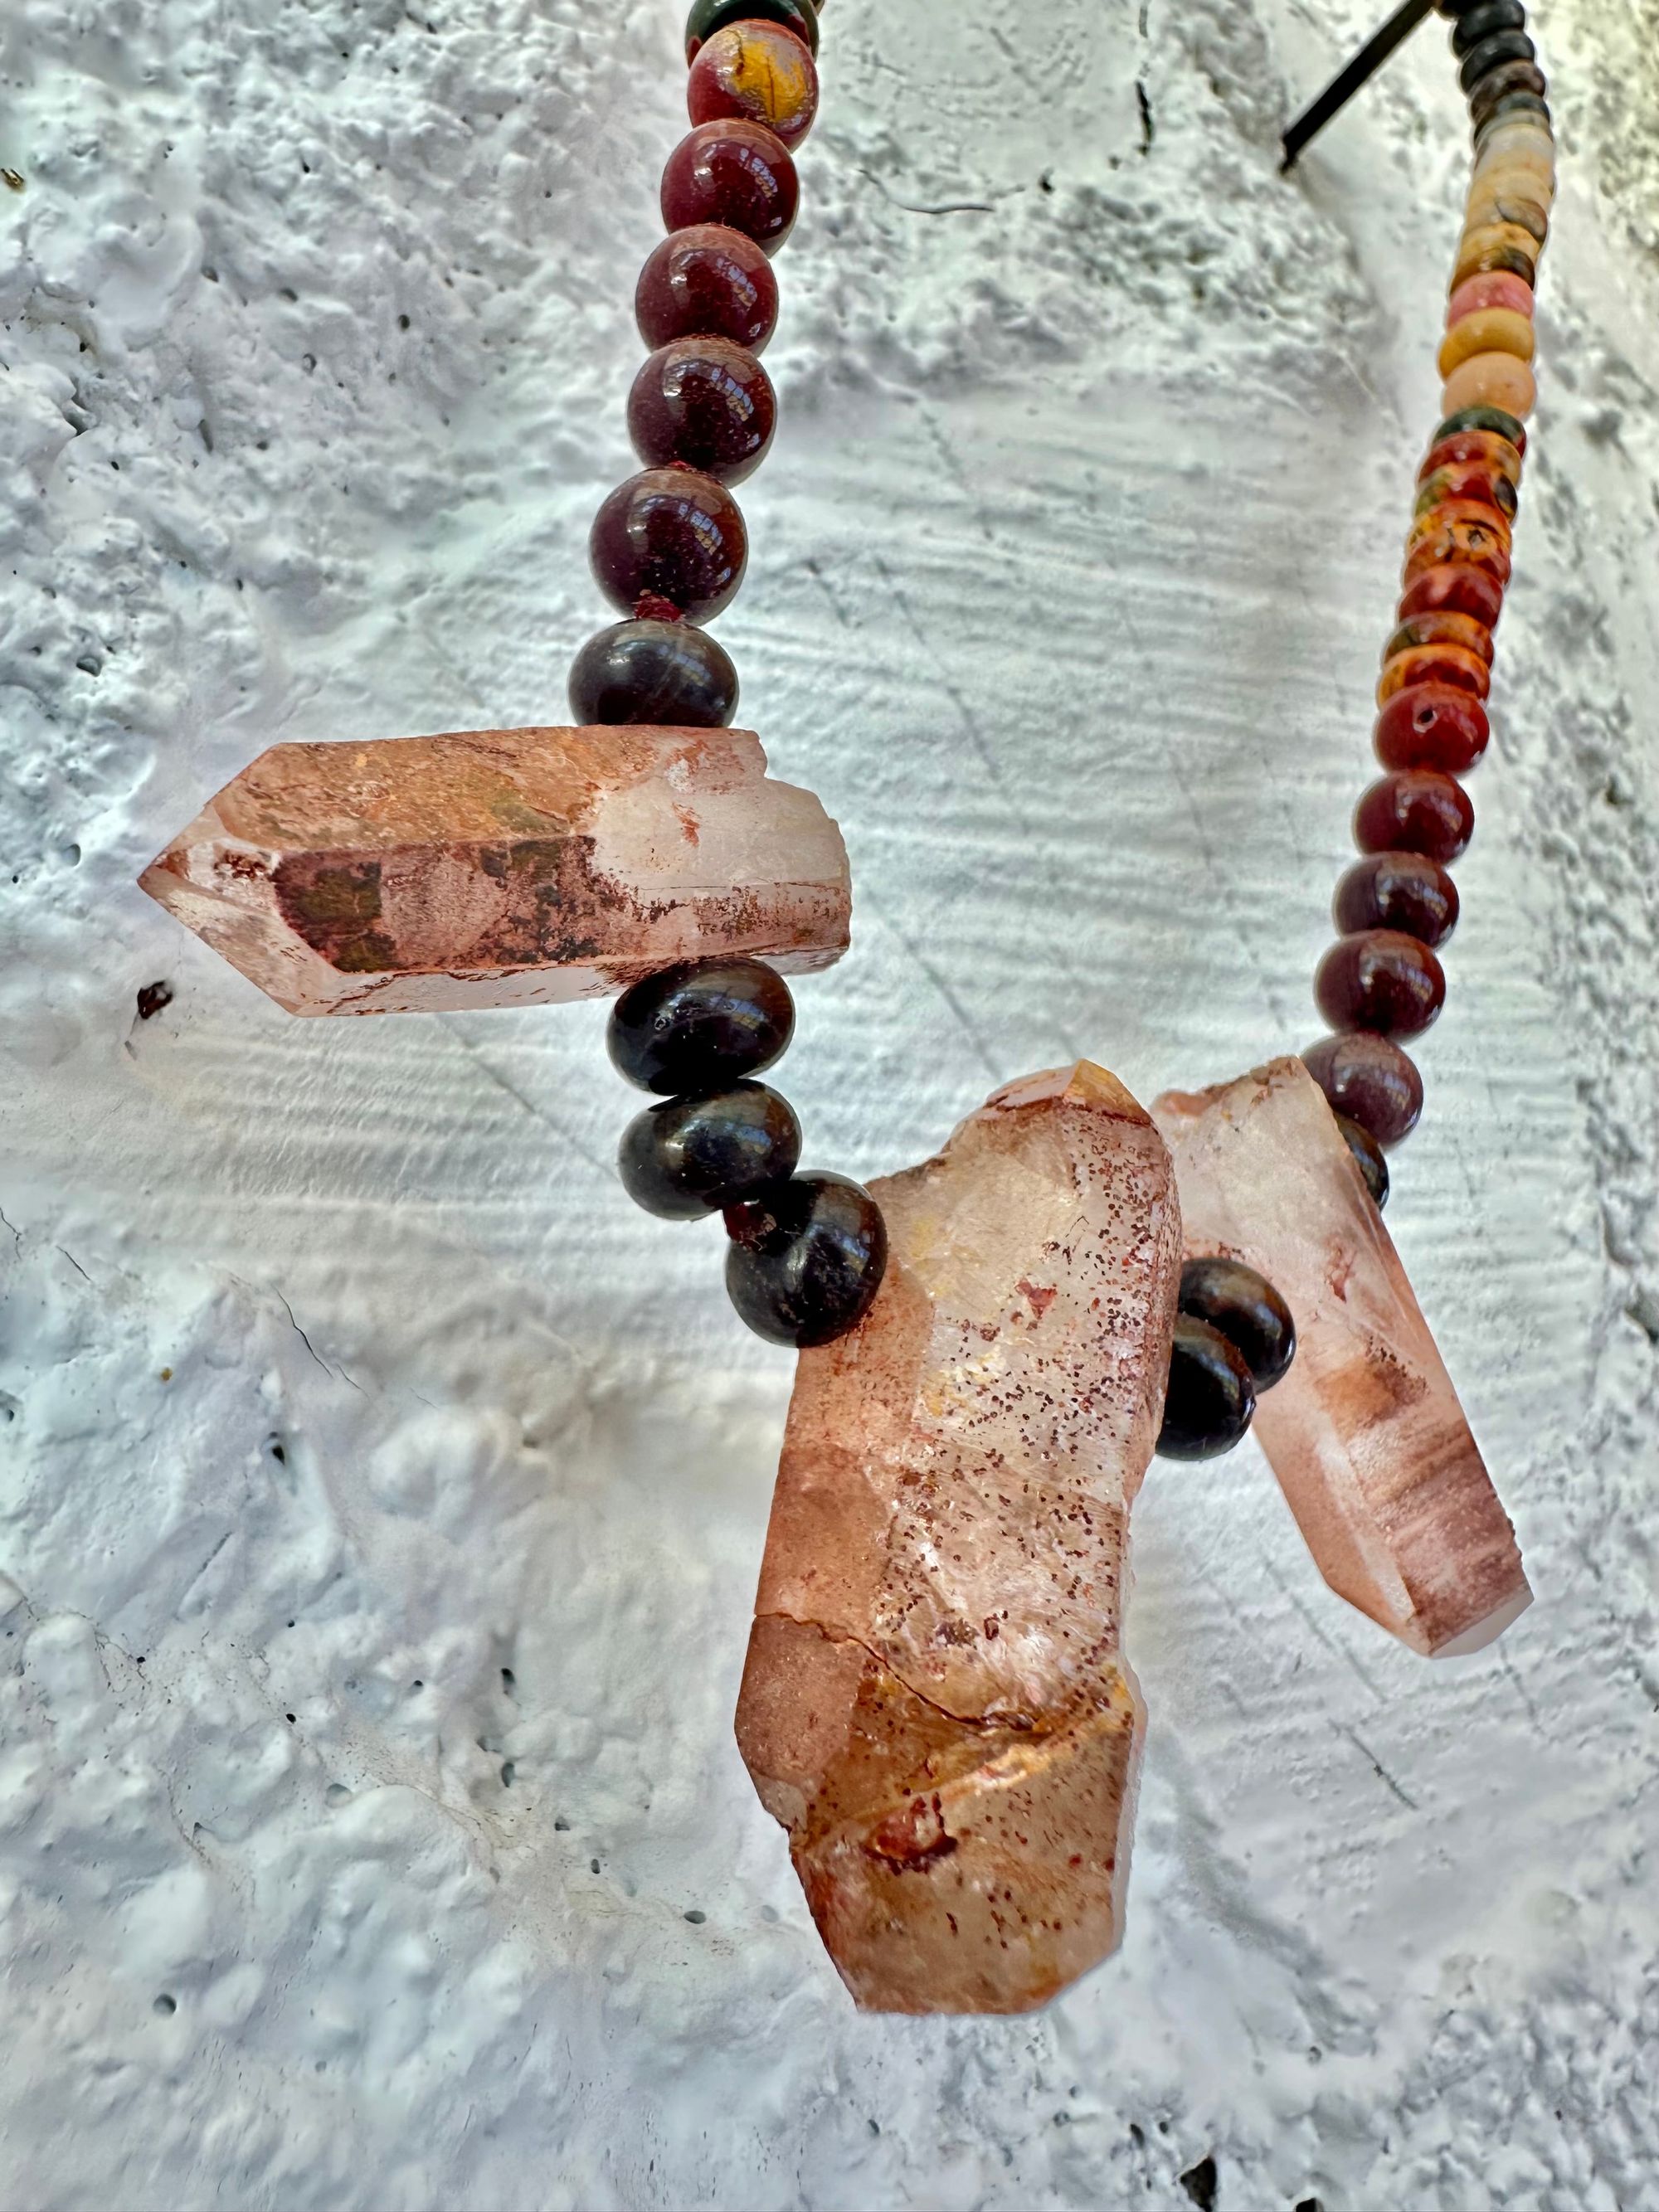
[708, 16]
[654, 671]
[688, 1157]
[1507, 46]
[1247, 1310]
[1484, 22]
[701, 1025]
[1211, 1398]
[806, 1258]
[1369, 1157]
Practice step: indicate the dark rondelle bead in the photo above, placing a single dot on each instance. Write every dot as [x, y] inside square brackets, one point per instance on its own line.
[688, 1157]
[1370, 1080]
[1507, 46]
[1380, 979]
[1415, 809]
[1247, 1310]
[709, 16]
[1483, 418]
[665, 672]
[670, 542]
[1484, 20]
[1498, 83]
[707, 282]
[1431, 725]
[735, 173]
[1210, 1399]
[1398, 891]
[1368, 1157]
[1509, 108]
[806, 1259]
[701, 1025]
[705, 402]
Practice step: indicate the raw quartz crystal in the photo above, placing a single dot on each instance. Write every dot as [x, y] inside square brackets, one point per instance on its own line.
[504, 867]
[1364, 1433]
[936, 1705]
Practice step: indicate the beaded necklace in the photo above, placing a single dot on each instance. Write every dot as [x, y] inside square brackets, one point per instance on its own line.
[935, 1702]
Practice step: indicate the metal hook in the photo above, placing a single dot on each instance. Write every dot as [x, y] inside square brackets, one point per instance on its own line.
[1342, 88]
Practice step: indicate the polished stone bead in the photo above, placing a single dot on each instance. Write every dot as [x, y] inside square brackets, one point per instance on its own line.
[1497, 289]
[1440, 626]
[1454, 587]
[1482, 449]
[1382, 981]
[1496, 245]
[1431, 725]
[734, 172]
[1484, 20]
[1498, 83]
[806, 1258]
[1487, 330]
[701, 1025]
[1483, 418]
[669, 543]
[706, 403]
[1512, 106]
[1210, 1399]
[757, 69]
[1397, 890]
[1415, 810]
[1369, 1157]
[707, 282]
[1419, 664]
[1458, 531]
[1468, 480]
[1492, 53]
[663, 672]
[1247, 1310]
[708, 16]
[1491, 379]
[1370, 1080]
[693, 1156]
[1500, 199]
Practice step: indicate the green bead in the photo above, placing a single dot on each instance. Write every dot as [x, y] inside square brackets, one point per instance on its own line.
[709, 16]
[1481, 418]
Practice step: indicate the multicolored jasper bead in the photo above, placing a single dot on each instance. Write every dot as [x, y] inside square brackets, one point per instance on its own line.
[1487, 330]
[1433, 664]
[1456, 588]
[709, 16]
[707, 282]
[735, 173]
[1498, 84]
[1483, 418]
[757, 69]
[1496, 288]
[704, 401]
[1433, 725]
[1468, 480]
[1478, 448]
[1397, 890]
[1415, 809]
[1508, 201]
[1369, 1079]
[1491, 379]
[669, 545]
[1382, 981]
[1444, 626]
[1459, 532]
[1496, 245]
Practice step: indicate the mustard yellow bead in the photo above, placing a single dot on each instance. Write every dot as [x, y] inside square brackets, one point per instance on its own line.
[1517, 204]
[1489, 330]
[1494, 245]
[1489, 380]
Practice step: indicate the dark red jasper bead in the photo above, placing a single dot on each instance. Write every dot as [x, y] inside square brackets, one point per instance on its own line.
[1370, 1080]
[669, 545]
[1398, 891]
[1380, 979]
[1453, 588]
[709, 281]
[705, 402]
[1431, 725]
[1416, 810]
[735, 173]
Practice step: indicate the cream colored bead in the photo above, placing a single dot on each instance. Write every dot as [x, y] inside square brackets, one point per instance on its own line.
[1520, 203]
[1488, 330]
[1517, 153]
[1489, 380]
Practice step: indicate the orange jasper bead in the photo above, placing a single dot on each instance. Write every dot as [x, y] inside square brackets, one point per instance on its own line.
[1491, 449]
[1465, 536]
[1489, 380]
[1433, 664]
[1497, 288]
[1443, 626]
[757, 70]
[1471, 480]
[1488, 330]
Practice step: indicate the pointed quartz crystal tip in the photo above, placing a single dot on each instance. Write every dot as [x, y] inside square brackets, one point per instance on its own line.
[1364, 1433]
[936, 1704]
[504, 867]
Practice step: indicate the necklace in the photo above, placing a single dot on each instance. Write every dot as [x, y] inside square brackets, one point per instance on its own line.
[935, 1703]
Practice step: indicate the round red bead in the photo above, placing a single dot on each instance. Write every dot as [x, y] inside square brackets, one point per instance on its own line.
[1431, 725]
[1416, 810]
[1454, 589]
[705, 402]
[1380, 979]
[709, 281]
[1397, 890]
[735, 173]
[1370, 1080]
[669, 545]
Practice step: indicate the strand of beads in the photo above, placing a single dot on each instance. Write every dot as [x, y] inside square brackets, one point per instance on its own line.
[806, 1252]
[1382, 980]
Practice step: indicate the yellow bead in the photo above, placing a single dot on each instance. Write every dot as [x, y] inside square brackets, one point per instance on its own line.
[1518, 204]
[1489, 380]
[1520, 153]
[1489, 330]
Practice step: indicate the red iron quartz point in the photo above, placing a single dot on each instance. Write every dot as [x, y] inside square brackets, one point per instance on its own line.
[504, 867]
[936, 1704]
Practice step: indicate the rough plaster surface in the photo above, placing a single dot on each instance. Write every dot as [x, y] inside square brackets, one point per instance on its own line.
[381, 1497]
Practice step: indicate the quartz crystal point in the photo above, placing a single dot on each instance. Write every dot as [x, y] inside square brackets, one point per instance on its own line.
[1364, 1433]
[936, 1704]
[504, 867]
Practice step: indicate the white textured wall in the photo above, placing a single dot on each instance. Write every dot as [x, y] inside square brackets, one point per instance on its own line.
[381, 1496]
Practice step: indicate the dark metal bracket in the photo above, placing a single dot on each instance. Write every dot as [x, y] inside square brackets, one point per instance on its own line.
[1342, 88]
